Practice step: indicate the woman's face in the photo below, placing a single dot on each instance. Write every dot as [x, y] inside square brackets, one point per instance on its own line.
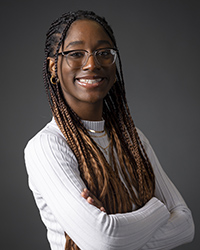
[91, 83]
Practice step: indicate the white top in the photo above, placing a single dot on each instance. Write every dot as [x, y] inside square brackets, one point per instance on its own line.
[163, 223]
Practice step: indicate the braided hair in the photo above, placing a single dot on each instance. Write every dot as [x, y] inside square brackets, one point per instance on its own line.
[100, 177]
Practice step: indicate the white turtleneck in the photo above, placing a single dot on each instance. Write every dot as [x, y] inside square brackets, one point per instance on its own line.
[163, 223]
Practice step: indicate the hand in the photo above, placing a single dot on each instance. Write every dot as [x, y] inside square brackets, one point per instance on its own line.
[91, 199]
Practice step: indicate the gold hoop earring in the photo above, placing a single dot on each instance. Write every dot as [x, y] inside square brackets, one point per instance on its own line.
[53, 80]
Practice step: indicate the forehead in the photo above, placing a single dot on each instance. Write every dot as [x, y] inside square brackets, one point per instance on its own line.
[86, 31]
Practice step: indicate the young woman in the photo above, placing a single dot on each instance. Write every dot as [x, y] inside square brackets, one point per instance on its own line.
[94, 176]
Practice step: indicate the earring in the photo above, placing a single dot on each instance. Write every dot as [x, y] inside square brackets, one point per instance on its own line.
[53, 80]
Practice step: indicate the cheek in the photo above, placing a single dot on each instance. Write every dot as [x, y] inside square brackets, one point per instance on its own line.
[65, 73]
[66, 76]
[112, 73]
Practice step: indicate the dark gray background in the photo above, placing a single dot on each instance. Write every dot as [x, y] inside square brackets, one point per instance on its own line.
[159, 43]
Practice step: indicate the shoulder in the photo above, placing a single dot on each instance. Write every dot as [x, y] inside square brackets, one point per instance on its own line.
[143, 138]
[51, 130]
[148, 149]
[48, 142]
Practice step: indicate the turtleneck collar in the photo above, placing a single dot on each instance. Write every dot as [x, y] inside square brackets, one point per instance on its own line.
[94, 125]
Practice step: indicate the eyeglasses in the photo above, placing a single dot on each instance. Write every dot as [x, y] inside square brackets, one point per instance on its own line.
[78, 58]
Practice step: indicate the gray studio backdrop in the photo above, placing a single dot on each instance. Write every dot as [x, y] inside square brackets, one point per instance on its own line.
[159, 45]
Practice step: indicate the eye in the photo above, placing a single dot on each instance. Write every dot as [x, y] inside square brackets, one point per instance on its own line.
[76, 54]
[104, 53]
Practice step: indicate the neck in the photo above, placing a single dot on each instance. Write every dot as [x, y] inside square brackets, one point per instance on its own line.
[90, 112]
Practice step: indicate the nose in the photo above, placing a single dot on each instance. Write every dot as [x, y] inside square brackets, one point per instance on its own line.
[90, 63]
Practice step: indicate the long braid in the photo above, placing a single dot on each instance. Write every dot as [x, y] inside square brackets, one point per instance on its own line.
[131, 162]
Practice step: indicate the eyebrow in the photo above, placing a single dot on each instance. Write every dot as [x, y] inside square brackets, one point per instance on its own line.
[99, 42]
[104, 42]
[74, 43]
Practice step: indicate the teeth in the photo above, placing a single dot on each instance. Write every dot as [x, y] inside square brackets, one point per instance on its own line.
[90, 81]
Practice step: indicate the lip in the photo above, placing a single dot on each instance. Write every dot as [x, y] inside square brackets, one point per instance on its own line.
[90, 81]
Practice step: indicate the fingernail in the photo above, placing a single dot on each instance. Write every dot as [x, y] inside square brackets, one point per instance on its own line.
[86, 191]
[92, 200]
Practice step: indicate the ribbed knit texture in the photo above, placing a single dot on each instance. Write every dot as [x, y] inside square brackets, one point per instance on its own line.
[163, 223]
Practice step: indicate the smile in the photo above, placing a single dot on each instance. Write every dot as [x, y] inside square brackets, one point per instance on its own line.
[90, 81]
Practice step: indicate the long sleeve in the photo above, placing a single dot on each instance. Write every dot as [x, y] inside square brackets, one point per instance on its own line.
[54, 178]
[180, 227]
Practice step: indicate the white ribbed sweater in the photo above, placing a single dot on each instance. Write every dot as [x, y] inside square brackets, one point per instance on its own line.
[163, 223]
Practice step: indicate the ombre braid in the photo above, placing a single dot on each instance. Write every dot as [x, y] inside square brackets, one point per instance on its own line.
[100, 177]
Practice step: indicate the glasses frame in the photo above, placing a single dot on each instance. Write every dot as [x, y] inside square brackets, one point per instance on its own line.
[65, 53]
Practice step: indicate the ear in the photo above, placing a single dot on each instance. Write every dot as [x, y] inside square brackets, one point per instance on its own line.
[51, 65]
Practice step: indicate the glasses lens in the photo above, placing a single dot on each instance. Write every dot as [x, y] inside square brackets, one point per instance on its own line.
[106, 57]
[76, 58]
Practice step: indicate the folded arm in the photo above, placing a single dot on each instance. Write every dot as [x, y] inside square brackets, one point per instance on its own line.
[53, 169]
[179, 229]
